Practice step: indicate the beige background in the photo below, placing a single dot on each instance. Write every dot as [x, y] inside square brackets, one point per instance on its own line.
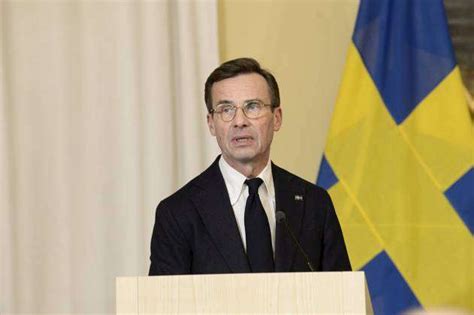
[304, 44]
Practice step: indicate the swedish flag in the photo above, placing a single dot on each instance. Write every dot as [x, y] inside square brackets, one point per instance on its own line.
[399, 159]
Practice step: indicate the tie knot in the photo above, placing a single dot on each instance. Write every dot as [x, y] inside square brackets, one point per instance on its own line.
[253, 184]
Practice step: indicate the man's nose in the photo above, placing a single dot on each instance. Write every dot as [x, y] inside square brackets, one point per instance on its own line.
[240, 119]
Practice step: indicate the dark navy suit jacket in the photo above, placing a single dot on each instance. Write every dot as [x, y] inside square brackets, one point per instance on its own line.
[196, 232]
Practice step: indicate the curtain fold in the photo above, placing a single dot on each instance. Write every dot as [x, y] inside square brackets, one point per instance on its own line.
[101, 116]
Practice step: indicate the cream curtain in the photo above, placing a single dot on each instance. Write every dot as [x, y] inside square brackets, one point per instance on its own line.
[101, 116]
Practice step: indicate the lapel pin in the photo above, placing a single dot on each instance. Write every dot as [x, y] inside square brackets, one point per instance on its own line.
[298, 197]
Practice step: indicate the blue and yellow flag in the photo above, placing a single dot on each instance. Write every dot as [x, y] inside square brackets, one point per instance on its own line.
[399, 159]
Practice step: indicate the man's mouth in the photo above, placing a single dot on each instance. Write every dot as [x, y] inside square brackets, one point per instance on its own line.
[242, 139]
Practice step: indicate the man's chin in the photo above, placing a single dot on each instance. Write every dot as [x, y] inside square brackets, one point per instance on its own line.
[243, 157]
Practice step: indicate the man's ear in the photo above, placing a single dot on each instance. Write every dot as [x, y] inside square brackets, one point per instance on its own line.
[210, 124]
[277, 118]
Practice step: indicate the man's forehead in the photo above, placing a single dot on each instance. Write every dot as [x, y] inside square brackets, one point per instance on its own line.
[242, 87]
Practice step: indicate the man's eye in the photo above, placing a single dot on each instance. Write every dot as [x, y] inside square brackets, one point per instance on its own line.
[252, 106]
[226, 109]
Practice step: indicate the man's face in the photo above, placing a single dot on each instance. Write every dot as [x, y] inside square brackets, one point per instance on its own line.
[243, 140]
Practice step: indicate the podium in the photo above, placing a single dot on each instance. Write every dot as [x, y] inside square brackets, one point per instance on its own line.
[256, 293]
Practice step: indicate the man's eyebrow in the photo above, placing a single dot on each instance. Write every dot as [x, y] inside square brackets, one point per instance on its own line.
[224, 102]
[253, 100]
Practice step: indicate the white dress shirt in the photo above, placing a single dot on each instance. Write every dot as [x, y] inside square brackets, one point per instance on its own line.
[238, 193]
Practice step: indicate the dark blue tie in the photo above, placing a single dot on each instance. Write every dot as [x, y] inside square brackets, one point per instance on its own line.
[257, 231]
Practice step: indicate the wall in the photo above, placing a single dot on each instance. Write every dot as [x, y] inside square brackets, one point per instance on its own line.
[304, 44]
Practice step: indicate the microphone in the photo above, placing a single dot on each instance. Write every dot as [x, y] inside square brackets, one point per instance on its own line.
[281, 218]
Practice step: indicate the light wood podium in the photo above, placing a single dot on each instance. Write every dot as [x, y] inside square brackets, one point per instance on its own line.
[270, 293]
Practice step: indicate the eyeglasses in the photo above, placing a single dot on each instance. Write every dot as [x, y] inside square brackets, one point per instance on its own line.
[252, 109]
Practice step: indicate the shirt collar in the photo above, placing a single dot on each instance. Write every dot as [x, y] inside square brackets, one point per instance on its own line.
[234, 180]
[267, 177]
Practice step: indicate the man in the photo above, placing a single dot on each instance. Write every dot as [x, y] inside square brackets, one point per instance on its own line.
[224, 220]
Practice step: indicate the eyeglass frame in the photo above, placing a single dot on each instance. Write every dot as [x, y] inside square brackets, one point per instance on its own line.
[214, 111]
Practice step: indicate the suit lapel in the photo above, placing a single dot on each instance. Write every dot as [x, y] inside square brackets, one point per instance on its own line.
[212, 202]
[289, 199]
